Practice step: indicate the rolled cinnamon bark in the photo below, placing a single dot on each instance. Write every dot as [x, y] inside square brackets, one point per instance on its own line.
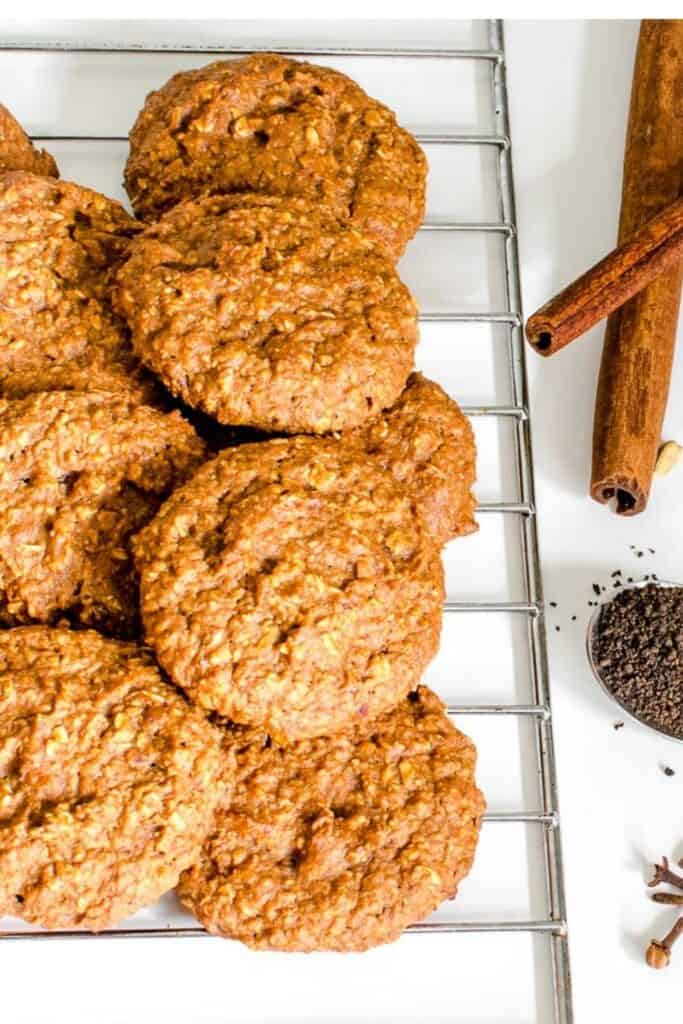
[608, 284]
[639, 342]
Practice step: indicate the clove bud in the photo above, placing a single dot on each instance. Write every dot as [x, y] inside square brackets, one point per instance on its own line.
[658, 953]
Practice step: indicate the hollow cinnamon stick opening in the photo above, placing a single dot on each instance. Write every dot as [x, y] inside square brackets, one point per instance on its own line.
[638, 350]
[608, 284]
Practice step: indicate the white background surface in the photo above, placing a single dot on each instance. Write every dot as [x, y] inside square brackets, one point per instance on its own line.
[569, 86]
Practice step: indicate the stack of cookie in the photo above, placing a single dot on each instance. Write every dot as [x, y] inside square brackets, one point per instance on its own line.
[210, 675]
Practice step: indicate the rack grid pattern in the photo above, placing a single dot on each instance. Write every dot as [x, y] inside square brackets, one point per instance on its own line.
[539, 712]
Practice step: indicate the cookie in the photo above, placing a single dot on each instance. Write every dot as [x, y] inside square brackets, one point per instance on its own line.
[338, 843]
[79, 473]
[59, 247]
[269, 313]
[427, 443]
[17, 152]
[291, 584]
[108, 779]
[270, 124]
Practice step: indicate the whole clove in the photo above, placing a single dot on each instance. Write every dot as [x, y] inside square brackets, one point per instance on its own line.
[658, 953]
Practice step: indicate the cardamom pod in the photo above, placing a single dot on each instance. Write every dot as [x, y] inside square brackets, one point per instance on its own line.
[667, 457]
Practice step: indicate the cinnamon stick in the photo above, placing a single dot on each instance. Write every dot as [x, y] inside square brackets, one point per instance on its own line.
[639, 342]
[608, 284]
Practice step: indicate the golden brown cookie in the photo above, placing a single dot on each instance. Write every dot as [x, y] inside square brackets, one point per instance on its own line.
[427, 443]
[270, 124]
[267, 312]
[338, 843]
[108, 779]
[17, 152]
[291, 584]
[79, 473]
[59, 247]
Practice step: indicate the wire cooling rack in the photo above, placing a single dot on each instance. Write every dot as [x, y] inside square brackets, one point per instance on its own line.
[518, 514]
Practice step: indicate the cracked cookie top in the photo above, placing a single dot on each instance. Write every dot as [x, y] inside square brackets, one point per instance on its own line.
[59, 247]
[79, 474]
[107, 779]
[291, 584]
[270, 124]
[428, 444]
[338, 843]
[268, 312]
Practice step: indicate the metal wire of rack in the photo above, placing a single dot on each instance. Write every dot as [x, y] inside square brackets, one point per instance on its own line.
[553, 925]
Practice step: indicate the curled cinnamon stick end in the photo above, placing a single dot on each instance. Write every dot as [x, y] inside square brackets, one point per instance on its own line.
[630, 498]
[639, 343]
[608, 284]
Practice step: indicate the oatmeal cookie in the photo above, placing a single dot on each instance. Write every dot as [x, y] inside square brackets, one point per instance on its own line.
[79, 473]
[17, 152]
[269, 313]
[59, 247]
[428, 445]
[107, 779]
[291, 584]
[338, 843]
[270, 124]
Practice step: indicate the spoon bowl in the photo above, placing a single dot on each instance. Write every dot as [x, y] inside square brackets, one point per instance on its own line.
[591, 636]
